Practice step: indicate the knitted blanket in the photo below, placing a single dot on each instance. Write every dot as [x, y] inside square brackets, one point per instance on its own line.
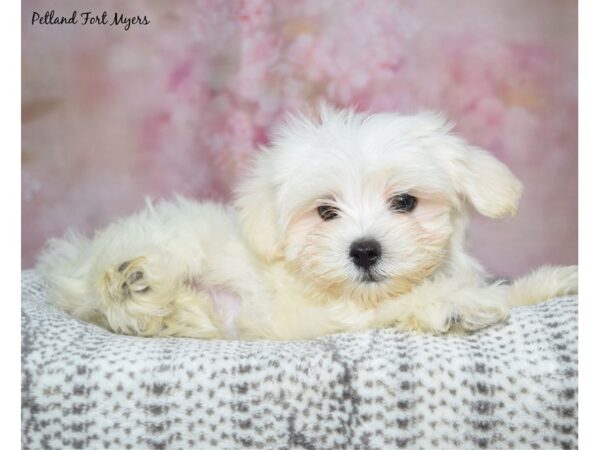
[512, 386]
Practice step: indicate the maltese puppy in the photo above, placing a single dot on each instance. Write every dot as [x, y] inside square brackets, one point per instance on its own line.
[346, 222]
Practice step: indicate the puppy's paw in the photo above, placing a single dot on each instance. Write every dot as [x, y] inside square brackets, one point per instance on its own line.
[567, 280]
[544, 283]
[465, 310]
[134, 299]
[127, 280]
[473, 317]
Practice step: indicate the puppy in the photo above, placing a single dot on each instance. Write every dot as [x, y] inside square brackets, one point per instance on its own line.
[346, 222]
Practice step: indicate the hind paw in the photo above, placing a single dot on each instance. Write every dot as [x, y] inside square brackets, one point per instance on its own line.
[127, 280]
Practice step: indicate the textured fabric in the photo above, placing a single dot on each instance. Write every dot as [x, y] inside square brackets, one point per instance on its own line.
[511, 386]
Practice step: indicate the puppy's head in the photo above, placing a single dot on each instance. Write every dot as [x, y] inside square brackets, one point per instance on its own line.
[367, 206]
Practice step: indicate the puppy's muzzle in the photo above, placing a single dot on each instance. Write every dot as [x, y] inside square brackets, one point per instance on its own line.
[365, 253]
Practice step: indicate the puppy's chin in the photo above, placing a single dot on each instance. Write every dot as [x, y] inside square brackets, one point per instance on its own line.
[369, 290]
[372, 289]
[366, 288]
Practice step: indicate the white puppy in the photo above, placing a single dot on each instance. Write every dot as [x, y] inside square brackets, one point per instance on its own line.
[348, 221]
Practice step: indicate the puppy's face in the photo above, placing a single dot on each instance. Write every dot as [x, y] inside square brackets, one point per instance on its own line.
[365, 207]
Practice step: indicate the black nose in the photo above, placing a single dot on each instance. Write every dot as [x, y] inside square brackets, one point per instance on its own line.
[365, 253]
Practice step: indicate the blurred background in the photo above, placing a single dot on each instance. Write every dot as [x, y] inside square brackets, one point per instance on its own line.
[111, 116]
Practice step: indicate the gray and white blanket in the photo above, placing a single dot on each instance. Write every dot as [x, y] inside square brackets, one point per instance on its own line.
[511, 386]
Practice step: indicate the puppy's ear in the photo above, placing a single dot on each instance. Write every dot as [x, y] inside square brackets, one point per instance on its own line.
[255, 201]
[477, 176]
[484, 181]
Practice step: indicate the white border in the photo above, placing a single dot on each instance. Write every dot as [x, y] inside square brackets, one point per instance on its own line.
[589, 223]
[10, 248]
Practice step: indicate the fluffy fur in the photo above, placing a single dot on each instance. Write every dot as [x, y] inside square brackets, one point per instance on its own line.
[272, 267]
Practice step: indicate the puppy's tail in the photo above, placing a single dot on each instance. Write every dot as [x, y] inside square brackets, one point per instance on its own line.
[542, 284]
[65, 264]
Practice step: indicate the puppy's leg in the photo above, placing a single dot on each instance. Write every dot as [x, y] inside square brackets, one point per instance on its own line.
[479, 307]
[192, 316]
[437, 307]
[148, 296]
[138, 275]
[131, 277]
[134, 294]
[543, 284]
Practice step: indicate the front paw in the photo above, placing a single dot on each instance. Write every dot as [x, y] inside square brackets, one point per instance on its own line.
[475, 317]
[544, 283]
[462, 316]
[567, 280]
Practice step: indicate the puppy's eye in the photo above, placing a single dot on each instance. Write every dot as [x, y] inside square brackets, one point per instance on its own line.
[327, 212]
[403, 203]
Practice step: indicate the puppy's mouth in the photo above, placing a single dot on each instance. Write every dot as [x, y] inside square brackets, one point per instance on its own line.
[369, 277]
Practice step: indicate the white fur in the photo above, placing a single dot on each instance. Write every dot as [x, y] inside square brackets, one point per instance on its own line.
[183, 268]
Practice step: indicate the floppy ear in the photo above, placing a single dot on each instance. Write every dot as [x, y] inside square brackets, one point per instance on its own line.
[484, 181]
[476, 175]
[255, 201]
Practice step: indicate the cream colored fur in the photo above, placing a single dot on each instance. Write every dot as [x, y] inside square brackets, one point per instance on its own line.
[273, 268]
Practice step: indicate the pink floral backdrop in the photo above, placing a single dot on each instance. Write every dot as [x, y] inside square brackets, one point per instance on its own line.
[111, 116]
